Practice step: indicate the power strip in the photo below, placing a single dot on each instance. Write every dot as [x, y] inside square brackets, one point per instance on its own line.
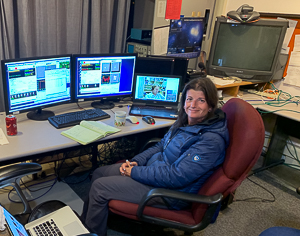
[264, 94]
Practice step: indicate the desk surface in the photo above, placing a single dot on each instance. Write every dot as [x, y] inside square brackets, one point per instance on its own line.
[36, 137]
[290, 111]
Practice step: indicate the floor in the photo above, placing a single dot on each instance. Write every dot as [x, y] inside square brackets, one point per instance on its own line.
[242, 214]
[41, 192]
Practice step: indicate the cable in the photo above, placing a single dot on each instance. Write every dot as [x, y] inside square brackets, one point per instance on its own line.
[81, 108]
[77, 182]
[256, 199]
[55, 181]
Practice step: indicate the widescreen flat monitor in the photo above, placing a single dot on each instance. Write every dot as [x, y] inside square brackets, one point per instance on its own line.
[103, 78]
[163, 65]
[168, 89]
[249, 51]
[185, 36]
[31, 84]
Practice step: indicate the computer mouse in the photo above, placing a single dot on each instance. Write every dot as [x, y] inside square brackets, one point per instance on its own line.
[149, 120]
[132, 119]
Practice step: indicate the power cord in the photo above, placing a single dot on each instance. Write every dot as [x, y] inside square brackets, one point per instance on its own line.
[257, 199]
[30, 190]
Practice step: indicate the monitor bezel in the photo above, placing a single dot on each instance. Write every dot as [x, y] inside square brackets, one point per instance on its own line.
[156, 102]
[5, 83]
[104, 97]
[246, 74]
[183, 60]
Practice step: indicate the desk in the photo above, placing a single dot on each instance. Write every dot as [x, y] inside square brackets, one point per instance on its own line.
[287, 123]
[36, 138]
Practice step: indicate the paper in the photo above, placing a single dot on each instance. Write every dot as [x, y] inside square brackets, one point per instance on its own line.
[173, 9]
[161, 9]
[3, 139]
[161, 39]
[220, 81]
[293, 71]
[2, 219]
[297, 43]
[289, 31]
[292, 77]
[294, 59]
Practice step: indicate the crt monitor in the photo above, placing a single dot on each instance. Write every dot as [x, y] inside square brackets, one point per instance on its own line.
[249, 51]
[104, 78]
[31, 84]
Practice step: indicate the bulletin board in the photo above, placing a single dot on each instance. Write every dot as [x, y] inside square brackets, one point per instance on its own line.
[296, 31]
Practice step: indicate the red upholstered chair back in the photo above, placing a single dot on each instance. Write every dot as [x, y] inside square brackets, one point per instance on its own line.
[246, 133]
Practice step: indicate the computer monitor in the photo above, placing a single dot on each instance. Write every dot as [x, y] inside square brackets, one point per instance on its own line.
[103, 77]
[185, 37]
[163, 65]
[31, 84]
[168, 86]
[249, 51]
[154, 65]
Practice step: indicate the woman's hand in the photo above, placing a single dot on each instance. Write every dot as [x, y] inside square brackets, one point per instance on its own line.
[125, 168]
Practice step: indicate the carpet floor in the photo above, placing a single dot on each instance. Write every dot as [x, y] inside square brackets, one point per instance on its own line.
[260, 202]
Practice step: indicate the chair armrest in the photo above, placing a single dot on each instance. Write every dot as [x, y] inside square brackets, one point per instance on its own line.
[212, 202]
[18, 170]
[150, 142]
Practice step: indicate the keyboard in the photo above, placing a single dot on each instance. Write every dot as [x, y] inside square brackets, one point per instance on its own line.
[74, 118]
[47, 228]
[155, 111]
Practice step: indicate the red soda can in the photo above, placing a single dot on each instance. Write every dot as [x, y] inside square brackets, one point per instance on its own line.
[11, 125]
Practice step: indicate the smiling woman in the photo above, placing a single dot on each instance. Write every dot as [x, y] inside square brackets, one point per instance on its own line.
[183, 160]
[199, 102]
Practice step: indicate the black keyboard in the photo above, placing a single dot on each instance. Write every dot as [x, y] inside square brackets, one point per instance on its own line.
[74, 118]
[155, 111]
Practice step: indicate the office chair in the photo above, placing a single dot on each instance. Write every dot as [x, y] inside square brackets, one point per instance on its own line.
[11, 175]
[280, 231]
[246, 131]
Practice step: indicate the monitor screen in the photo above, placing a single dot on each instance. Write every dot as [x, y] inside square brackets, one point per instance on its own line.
[249, 51]
[31, 84]
[185, 36]
[152, 89]
[163, 65]
[105, 77]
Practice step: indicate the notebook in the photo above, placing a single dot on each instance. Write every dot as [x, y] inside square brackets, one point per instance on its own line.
[61, 222]
[156, 95]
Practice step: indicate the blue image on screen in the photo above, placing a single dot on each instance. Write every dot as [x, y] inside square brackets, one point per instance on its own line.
[106, 67]
[114, 78]
[15, 227]
[185, 35]
[115, 66]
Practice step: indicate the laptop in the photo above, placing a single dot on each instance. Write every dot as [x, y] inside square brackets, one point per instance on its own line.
[156, 95]
[61, 222]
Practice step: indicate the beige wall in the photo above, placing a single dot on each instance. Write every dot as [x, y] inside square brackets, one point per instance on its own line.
[275, 6]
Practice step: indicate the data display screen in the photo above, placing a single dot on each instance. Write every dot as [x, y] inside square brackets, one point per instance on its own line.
[103, 75]
[33, 83]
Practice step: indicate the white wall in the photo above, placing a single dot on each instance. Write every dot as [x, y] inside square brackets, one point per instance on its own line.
[273, 6]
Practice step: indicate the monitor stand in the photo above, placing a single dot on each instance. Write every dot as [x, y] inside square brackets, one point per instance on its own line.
[103, 104]
[39, 114]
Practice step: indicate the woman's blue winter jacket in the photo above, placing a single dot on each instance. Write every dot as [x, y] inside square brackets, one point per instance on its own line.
[185, 157]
